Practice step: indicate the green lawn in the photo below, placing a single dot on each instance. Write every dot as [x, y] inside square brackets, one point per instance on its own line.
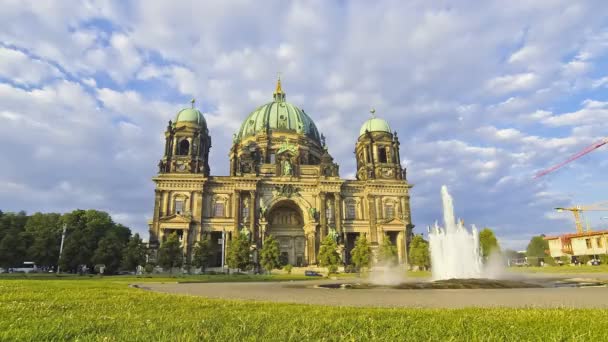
[107, 309]
[561, 269]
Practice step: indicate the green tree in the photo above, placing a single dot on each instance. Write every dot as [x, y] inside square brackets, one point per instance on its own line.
[537, 250]
[170, 253]
[238, 253]
[270, 254]
[12, 249]
[202, 254]
[419, 252]
[388, 252]
[85, 229]
[361, 254]
[488, 243]
[328, 255]
[44, 234]
[134, 253]
[109, 252]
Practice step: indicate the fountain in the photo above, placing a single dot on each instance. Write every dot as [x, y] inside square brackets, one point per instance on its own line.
[456, 263]
[455, 252]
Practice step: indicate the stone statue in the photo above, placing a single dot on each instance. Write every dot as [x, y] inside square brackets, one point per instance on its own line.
[313, 213]
[287, 169]
[333, 234]
[245, 232]
[263, 209]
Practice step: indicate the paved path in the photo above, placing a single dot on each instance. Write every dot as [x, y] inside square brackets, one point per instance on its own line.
[303, 292]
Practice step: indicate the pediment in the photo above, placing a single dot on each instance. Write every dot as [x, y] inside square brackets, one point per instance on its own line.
[176, 218]
[393, 222]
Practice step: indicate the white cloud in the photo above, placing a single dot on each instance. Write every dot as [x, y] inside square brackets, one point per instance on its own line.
[475, 91]
[18, 67]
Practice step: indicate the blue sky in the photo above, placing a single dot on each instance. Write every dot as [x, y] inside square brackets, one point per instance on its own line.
[482, 94]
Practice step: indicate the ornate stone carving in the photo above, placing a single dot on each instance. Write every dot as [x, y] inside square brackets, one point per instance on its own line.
[286, 190]
[287, 147]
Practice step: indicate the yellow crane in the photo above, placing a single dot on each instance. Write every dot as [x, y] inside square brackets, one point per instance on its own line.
[579, 209]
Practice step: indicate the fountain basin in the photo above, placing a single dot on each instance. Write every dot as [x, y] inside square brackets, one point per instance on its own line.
[473, 283]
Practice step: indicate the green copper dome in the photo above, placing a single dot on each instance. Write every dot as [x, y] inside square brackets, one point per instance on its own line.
[191, 115]
[279, 115]
[375, 125]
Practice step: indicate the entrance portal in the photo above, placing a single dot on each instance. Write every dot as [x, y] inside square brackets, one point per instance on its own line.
[287, 227]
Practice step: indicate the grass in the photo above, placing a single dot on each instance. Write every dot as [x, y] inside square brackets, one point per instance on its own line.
[561, 269]
[181, 278]
[106, 309]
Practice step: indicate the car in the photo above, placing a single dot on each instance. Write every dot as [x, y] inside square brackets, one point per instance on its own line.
[310, 273]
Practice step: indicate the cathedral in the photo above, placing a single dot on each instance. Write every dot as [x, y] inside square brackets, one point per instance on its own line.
[283, 182]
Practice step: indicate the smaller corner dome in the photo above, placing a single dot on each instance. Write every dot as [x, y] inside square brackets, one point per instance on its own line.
[375, 125]
[191, 115]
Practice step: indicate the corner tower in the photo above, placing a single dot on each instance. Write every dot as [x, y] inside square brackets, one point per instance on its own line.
[187, 144]
[377, 151]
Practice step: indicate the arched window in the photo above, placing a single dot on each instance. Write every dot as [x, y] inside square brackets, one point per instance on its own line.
[179, 206]
[183, 147]
[351, 210]
[218, 209]
[382, 154]
[389, 211]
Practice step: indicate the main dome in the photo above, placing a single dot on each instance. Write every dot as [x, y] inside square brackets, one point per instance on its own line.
[279, 115]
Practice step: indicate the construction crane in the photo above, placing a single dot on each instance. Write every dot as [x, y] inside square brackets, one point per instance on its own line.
[579, 209]
[574, 157]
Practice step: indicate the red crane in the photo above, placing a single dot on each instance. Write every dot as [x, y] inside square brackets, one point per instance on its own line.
[575, 156]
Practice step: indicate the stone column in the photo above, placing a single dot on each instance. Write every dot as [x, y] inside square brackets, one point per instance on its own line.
[401, 256]
[371, 204]
[236, 207]
[186, 242]
[338, 214]
[155, 218]
[311, 248]
[252, 214]
[323, 215]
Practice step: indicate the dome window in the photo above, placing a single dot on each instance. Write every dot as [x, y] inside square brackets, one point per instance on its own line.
[183, 147]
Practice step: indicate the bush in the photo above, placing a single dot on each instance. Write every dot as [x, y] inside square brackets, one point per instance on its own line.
[288, 268]
[149, 268]
[604, 259]
[549, 261]
[583, 259]
[565, 259]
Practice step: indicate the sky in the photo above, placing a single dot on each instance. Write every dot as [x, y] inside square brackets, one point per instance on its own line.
[482, 95]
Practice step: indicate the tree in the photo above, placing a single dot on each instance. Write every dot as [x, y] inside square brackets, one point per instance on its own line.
[44, 234]
[170, 253]
[537, 250]
[361, 254]
[419, 252]
[488, 243]
[202, 254]
[134, 253]
[270, 254]
[12, 249]
[109, 252]
[328, 255]
[238, 253]
[388, 252]
[85, 230]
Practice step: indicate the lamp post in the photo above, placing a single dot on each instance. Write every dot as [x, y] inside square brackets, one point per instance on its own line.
[61, 246]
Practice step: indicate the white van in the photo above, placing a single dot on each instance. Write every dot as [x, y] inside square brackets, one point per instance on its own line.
[26, 267]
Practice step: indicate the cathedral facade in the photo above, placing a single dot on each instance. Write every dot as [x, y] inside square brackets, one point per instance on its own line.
[283, 182]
